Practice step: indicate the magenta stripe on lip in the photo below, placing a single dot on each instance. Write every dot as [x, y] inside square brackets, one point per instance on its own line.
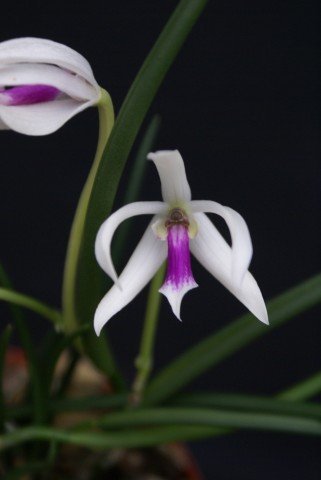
[179, 273]
[28, 95]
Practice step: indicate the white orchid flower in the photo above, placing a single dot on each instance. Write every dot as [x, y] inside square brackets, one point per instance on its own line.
[42, 85]
[179, 226]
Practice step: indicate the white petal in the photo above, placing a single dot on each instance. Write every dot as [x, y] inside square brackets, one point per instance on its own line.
[107, 230]
[171, 170]
[148, 256]
[242, 249]
[39, 50]
[213, 252]
[41, 118]
[30, 74]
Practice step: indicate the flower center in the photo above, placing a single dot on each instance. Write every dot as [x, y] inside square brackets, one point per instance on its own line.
[177, 216]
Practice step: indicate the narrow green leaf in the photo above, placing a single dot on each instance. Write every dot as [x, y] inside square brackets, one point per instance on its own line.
[32, 304]
[306, 389]
[6, 283]
[18, 301]
[126, 439]
[129, 120]
[178, 424]
[219, 346]
[249, 403]
[212, 417]
[78, 404]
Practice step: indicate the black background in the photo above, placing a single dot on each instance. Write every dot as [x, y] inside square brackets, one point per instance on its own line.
[242, 104]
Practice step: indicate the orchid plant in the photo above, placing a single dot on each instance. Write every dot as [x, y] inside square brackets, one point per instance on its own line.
[43, 84]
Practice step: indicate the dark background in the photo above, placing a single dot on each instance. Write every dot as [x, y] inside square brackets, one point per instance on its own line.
[242, 104]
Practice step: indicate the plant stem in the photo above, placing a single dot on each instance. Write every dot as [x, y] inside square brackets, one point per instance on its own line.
[106, 122]
[144, 361]
[98, 349]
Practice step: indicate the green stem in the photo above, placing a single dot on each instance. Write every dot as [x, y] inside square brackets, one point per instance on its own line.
[33, 304]
[144, 361]
[301, 391]
[98, 349]
[106, 122]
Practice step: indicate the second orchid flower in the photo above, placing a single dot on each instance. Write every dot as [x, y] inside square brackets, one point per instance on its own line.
[42, 85]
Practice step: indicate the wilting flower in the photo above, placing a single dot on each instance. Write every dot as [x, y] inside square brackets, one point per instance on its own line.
[179, 226]
[42, 85]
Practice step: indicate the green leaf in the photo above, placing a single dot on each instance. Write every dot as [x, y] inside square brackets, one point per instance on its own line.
[126, 439]
[306, 389]
[249, 403]
[6, 283]
[127, 125]
[219, 346]
[178, 424]
[32, 304]
[214, 418]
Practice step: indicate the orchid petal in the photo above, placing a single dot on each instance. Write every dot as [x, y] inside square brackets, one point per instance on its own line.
[107, 230]
[148, 256]
[171, 170]
[41, 118]
[40, 50]
[242, 249]
[214, 253]
[35, 74]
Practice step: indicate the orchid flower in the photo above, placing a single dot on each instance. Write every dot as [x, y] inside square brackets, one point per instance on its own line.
[42, 85]
[179, 226]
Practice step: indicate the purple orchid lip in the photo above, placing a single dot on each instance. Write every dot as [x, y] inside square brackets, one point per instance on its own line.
[179, 274]
[28, 95]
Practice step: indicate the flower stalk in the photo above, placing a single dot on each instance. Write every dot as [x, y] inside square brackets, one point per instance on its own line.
[144, 361]
[106, 122]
